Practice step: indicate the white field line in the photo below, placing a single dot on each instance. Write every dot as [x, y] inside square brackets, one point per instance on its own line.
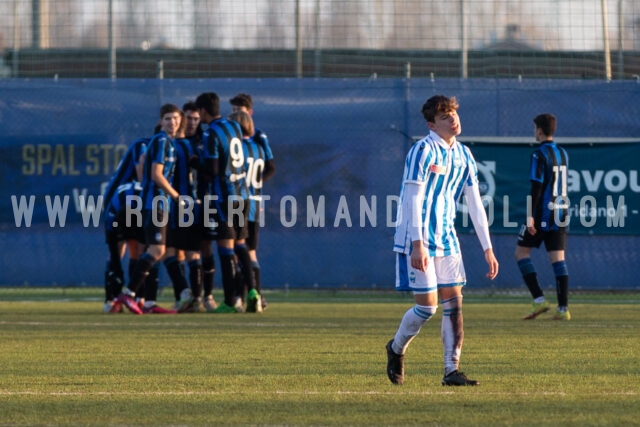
[165, 324]
[203, 322]
[290, 393]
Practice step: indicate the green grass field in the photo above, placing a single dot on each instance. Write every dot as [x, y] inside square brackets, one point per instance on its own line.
[313, 358]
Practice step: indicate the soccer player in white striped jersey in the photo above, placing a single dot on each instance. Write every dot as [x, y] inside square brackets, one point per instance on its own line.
[438, 169]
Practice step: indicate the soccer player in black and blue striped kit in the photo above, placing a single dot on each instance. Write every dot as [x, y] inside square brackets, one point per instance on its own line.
[156, 191]
[259, 160]
[223, 156]
[261, 168]
[117, 232]
[129, 171]
[547, 221]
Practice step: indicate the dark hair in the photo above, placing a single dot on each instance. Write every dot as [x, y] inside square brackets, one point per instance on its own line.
[438, 104]
[169, 108]
[210, 102]
[190, 106]
[547, 123]
[242, 100]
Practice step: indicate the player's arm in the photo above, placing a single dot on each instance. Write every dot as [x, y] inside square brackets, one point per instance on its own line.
[269, 170]
[157, 175]
[140, 166]
[269, 165]
[213, 162]
[414, 194]
[481, 226]
[536, 176]
[537, 189]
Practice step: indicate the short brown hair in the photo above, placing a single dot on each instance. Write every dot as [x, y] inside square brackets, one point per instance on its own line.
[438, 104]
[547, 123]
[242, 100]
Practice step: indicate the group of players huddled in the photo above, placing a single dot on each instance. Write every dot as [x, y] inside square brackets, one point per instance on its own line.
[198, 179]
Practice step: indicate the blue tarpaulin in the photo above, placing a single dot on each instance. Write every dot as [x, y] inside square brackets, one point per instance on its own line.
[339, 147]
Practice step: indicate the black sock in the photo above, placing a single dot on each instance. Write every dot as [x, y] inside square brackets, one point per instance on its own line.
[151, 284]
[132, 266]
[176, 273]
[239, 284]
[530, 277]
[113, 282]
[531, 280]
[208, 270]
[140, 273]
[256, 275]
[228, 266]
[195, 278]
[562, 289]
[562, 282]
[245, 264]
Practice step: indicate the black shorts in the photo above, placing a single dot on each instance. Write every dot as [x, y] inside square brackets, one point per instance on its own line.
[229, 224]
[185, 238]
[116, 230]
[188, 235]
[252, 239]
[554, 240]
[155, 233]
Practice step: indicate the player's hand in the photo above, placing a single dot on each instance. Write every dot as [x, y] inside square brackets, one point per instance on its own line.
[531, 228]
[419, 258]
[492, 262]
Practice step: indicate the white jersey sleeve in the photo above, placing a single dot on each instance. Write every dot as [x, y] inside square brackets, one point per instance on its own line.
[478, 215]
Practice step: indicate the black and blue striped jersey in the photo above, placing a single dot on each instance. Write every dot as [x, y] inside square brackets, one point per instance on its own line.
[126, 198]
[161, 150]
[184, 176]
[126, 170]
[257, 153]
[549, 167]
[223, 144]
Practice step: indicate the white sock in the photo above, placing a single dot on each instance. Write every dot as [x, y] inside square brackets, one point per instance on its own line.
[410, 325]
[452, 333]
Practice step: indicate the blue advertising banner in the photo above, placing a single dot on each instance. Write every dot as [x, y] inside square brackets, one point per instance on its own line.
[603, 185]
[339, 147]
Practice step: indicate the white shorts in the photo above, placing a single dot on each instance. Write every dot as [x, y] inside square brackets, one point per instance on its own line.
[442, 272]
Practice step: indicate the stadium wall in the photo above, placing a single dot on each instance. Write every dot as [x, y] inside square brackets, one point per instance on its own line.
[339, 146]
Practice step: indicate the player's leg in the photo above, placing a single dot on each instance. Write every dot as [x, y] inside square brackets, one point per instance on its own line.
[181, 291]
[252, 246]
[149, 303]
[253, 297]
[209, 233]
[523, 257]
[423, 285]
[226, 235]
[113, 277]
[556, 244]
[451, 280]
[195, 279]
[208, 272]
[155, 236]
[227, 267]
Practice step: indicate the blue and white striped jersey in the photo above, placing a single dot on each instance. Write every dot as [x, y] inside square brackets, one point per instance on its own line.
[161, 149]
[441, 172]
[549, 166]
